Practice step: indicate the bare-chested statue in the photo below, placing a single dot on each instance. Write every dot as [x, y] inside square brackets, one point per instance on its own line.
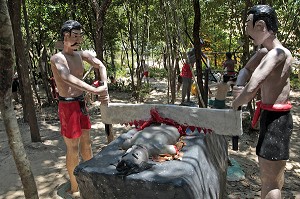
[67, 68]
[269, 70]
[151, 141]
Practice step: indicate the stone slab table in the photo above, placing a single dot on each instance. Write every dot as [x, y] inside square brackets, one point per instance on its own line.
[201, 174]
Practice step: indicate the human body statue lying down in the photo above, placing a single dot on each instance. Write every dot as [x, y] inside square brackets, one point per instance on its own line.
[149, 142]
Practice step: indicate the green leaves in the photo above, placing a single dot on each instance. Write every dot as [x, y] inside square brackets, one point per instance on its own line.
[221, 26]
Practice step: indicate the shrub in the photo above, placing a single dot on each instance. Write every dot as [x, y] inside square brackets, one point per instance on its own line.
[159, 73]
[295, 83]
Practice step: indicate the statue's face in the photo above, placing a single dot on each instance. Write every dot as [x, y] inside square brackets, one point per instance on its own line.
[249, 26]
[133, 161]
[74, 38]
[258, 32]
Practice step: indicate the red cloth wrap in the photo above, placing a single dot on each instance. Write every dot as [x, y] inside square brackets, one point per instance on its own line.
[156, 118]
[97, 83]
[269, 107]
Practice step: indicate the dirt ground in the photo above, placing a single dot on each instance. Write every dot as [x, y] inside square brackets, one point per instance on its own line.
[48, 158]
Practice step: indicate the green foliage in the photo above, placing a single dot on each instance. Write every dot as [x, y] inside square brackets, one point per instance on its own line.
[221, 28]
[45, 19]
[120, 85]
[158, 73]
[121, 72]
[112, 28]
[294, 80]
[117, 71]
[144, 91]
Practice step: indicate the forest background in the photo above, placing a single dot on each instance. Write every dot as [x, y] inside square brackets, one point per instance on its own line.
[122, 33]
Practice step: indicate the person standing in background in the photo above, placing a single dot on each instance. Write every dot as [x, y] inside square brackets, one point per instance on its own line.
[187, 76]
[222, 89]
[145, 69]
[15, 88]
[229, 65]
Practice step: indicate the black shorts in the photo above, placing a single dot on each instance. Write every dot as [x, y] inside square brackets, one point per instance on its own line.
[179, 79]
[275, 133]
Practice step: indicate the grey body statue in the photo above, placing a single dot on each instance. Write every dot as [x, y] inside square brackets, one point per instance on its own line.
[151, 141]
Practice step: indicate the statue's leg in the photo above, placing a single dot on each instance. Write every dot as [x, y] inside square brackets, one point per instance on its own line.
[272, 177]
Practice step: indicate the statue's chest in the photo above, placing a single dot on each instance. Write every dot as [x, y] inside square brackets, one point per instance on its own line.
[76, 66]
[154, 136]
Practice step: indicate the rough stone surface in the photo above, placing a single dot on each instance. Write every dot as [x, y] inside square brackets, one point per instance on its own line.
[200, 174]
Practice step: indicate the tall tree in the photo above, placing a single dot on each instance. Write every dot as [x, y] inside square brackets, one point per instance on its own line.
[197, 46]
[99, 12]
[28, 44]
[170, 42]
[6, 106]
[23, 70]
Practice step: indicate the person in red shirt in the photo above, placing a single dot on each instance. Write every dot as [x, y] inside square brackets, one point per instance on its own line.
[187, 76]
[145, 69]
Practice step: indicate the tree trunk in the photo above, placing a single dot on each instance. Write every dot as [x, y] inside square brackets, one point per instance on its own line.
[168, 43]
[6, 107]
[130, 40]
[43, 65]
[100, 12]
[197, 46]
[30, 115]
[175, 62]
[28, 44]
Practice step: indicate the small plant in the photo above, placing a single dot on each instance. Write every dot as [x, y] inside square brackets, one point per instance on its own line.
[120, 85]
[294, 80]
[144, 91]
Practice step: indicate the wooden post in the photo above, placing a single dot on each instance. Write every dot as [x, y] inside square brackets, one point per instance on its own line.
[109, 133]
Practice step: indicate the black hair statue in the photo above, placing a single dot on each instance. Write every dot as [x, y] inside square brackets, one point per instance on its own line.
[68, 26]
[267, 14]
